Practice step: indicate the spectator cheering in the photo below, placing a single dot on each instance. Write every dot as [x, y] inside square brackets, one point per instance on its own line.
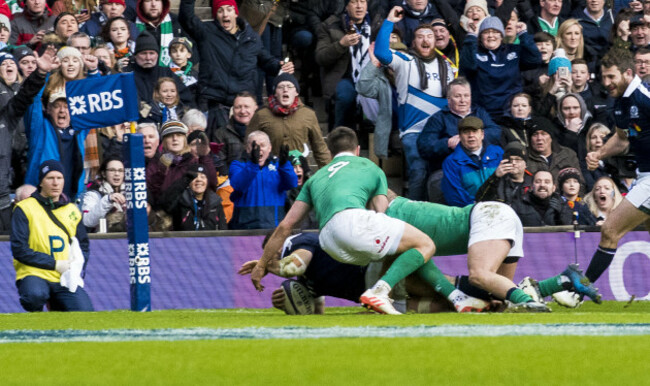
[260, 184]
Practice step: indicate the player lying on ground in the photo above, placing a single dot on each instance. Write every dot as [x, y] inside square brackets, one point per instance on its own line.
[303, 257]
[491, 235]
[632, 116]
[339, 193]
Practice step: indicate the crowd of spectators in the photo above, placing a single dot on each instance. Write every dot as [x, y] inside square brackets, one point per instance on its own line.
[484, 100]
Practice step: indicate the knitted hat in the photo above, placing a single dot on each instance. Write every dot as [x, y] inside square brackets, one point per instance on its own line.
[146, 42]
[567, 173]
[184, 41]
[67, 51]
[171, 127]
[4, 22]
[121, 2]
[540, 123]
[48, 166]
[470, 123]
[492, 22]
[216, 4]
[21, 51]
[7, 56]
[514, 149]
[559, 60]
[476, 3]
[196, 169]
[286, 77]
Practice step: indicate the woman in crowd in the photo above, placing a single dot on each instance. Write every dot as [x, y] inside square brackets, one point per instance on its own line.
[73, 67]
[515, 122]
[493, 67]
[117, 36]
[595, 139]
[603, 198]
[569, 37]
[167, 103]
[176, 160]
[105, 199]
[193, 205]
[570, 187]
[10, 78]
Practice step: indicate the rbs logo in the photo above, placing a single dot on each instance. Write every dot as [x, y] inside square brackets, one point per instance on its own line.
[95, 103]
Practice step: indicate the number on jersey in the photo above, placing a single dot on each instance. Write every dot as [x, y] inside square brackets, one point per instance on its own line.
[336, 167]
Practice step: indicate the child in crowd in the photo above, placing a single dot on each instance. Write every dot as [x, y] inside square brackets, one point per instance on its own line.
[570, 184]
[180, 50]
[117, 36]
[592, 93]
[167, 103]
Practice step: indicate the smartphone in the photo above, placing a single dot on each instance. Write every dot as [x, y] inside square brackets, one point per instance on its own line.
[84, 11]
[563, 72]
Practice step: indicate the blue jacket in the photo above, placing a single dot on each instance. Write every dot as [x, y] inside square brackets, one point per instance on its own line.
[45, 143]
[596, 33]
[496, 75]
[432, 142]
[462, 177]
[259, 193]
[228, 62]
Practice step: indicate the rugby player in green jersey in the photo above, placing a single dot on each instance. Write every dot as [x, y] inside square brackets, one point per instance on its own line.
[340, 194]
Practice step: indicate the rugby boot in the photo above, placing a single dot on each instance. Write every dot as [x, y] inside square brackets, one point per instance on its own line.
[530, 287]
[378, 302]
[466, 303]
[526, 307]
[581, 283]
[567, 299]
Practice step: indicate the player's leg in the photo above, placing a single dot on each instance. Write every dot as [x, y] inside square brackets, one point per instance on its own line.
[484, 259]
[623, 219]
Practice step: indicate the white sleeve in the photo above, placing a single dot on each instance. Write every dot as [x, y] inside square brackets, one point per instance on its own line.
[95, 207]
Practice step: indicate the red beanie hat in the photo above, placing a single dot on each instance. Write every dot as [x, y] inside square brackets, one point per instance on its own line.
[216, 4]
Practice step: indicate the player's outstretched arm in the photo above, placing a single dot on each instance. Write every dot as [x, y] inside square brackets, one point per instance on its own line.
[295, 215]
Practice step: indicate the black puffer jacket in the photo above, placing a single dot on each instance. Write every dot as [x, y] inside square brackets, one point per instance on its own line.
[535, 212]
[228, 61]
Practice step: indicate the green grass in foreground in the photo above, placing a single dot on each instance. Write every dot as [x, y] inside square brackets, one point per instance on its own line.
[376, 361]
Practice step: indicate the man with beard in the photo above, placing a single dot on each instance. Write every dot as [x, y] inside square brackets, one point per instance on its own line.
[421, 78]
[632, 114]
[542, 205]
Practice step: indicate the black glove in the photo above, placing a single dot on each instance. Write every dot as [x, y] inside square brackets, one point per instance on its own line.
[555, 203]
[284, 154]
[255, 153]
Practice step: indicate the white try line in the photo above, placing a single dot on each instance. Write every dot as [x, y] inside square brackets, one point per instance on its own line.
[179, 334]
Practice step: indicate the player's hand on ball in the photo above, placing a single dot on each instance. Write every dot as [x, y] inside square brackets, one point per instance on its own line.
[278, 299]
[247, 267]
[292, 265]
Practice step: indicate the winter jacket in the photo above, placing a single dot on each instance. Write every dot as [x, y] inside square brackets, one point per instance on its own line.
[334, 59]
[580, 212]
[11, 115]
[160, 176]
[432, 142]
[259, 193]
[412, 20]
[462, 176]
[513, 130]
[45, 143]
[576, 141]
[234, 146]
[534, 212]
[373, 83]
[96, 203]
[296, 130]
[503, 189]
[496, 75]
[227, 60]
[596, 33]
[190, 214]
[24, 26]
[561, 157]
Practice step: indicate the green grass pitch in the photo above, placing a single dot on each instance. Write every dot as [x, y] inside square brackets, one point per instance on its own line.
[483, 360]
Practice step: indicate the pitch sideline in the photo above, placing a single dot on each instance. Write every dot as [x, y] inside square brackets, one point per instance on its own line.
[181, 334]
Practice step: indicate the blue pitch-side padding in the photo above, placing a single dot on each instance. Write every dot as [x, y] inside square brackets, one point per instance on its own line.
[137, 224]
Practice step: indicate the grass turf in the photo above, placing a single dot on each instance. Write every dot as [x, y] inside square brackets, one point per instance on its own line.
[482, 360]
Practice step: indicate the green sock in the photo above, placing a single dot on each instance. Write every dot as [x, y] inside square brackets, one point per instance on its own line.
[405, 264]
[552, 285]
[430, 273]
[516, 295]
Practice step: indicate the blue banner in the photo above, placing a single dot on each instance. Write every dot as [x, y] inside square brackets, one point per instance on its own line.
[137, 225]
[102, 101]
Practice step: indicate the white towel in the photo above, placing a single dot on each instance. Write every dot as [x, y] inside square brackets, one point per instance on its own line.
[72, 277]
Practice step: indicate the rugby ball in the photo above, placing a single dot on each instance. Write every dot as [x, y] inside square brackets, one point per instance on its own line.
[297, 299]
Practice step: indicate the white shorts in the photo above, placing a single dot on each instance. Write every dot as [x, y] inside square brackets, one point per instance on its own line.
[639, 196]
[359, 236]
[496, 221]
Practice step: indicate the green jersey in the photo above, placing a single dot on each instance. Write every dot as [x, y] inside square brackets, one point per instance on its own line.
[448, 226]
[348, 182]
